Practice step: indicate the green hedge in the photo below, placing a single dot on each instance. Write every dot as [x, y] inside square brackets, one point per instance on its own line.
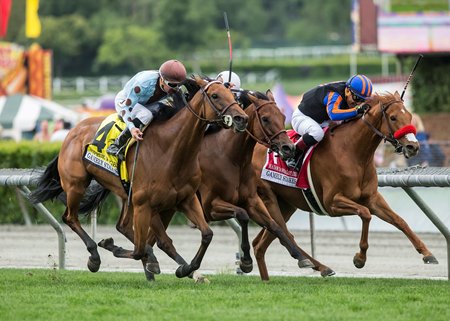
[30, 154]
[328, 67]
[431, 84]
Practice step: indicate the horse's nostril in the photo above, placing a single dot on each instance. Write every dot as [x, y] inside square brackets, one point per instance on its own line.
[239, 120]
[288, 149]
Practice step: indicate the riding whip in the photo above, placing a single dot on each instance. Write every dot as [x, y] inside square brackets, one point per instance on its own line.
[132, 172]
[411, 74]
[229, 45]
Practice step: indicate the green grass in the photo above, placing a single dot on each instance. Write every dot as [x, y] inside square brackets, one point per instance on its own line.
[74, 295]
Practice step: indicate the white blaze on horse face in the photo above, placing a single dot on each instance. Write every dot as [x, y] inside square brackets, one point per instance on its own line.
[411, 137]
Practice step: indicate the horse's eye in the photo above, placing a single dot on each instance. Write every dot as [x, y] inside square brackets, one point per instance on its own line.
[265, 119]
[214, 96]
[393, 118]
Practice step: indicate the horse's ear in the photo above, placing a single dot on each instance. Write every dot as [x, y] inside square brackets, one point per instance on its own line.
[269, 95]
[397, 95]
[201, 82]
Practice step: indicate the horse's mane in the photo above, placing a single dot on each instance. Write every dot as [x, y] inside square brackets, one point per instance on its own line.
[371, 101]
[244, 98]
[380, 97]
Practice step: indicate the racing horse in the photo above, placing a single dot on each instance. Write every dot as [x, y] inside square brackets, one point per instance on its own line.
[167, 175]
[228, 186]
[344, 176]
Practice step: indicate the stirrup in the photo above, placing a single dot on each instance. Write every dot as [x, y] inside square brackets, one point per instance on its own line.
[113, 149]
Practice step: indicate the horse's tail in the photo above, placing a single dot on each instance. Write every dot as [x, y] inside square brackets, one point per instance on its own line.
[94, 198]
[49, 184]
[49, 188]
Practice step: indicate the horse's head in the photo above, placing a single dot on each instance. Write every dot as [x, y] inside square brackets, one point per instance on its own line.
[221, 106]
[394, 125]
[266, 123]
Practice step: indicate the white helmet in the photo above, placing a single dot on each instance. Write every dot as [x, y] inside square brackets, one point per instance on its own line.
[235, 80]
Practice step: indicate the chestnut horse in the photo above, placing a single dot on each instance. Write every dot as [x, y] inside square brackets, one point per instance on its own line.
[167, 175]
[344, 176]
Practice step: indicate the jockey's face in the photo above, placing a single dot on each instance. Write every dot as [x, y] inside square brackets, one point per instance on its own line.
[352, 99]
[167, 86]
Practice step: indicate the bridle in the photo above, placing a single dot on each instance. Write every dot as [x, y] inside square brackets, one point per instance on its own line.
[227, 120]
[393, 136]
[268, 140]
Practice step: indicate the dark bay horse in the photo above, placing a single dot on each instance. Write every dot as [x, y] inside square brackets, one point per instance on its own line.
[167, 175]
[344, 176]
[228, 186]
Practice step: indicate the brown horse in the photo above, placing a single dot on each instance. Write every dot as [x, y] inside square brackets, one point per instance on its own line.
[228, 187]
[344, 176]
[167, 175]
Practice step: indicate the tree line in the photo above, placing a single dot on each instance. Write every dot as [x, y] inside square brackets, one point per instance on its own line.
[114, 36]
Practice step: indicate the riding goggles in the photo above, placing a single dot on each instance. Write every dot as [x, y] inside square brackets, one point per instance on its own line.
[357, 99]
[171, 84]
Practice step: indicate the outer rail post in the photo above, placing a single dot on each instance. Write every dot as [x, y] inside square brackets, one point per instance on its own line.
[53, 222]
[434, 219]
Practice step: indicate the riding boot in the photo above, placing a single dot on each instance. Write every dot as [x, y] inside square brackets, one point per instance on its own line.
[300, 148]
[118, 147]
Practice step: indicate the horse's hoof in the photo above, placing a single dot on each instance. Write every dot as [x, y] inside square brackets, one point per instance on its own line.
[430, 259]
[105, 243]
[358, 262]
[327, 272]
[246, 267]
[305, 263]
[153, 268]
[93, 265]
[149, 276]
[183, 271]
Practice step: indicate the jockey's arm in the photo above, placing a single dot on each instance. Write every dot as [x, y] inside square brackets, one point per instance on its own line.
[333, 102]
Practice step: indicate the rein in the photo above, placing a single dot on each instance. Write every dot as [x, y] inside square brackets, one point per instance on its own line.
[392, 137]
[267, 140]
[225, 119]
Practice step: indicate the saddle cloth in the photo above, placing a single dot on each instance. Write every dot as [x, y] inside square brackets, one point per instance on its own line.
[96, 154]
[276, 170]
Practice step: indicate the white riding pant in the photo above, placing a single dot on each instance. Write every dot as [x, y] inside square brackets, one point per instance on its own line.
[303, 124]
[137, 112]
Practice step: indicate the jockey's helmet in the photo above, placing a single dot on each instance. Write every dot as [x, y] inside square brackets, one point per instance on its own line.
[361, 86]
[173, 71]
[225, 75]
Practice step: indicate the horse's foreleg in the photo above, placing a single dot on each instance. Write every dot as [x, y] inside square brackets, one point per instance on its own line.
[193, 211]
[157, 232]
[341, 206]
[125, 226]
[380, 208]
[258, 213]
[222, 210]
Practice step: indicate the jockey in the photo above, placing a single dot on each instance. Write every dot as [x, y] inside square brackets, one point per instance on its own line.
[335, 101]
[234, 83]
[137, 102]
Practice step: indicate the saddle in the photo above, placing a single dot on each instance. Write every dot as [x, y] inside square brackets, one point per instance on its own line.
[95, 152]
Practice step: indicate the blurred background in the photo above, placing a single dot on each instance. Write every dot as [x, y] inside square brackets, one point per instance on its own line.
[62, 61]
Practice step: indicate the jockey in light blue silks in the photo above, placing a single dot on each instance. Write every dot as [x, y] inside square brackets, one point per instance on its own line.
[140, 98]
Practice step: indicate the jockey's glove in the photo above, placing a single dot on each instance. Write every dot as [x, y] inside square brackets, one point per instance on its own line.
[360, 109]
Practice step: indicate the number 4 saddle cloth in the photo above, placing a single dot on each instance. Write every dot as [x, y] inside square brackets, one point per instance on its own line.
[96, 154]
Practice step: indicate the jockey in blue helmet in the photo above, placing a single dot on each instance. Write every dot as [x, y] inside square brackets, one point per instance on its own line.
[335, 101]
